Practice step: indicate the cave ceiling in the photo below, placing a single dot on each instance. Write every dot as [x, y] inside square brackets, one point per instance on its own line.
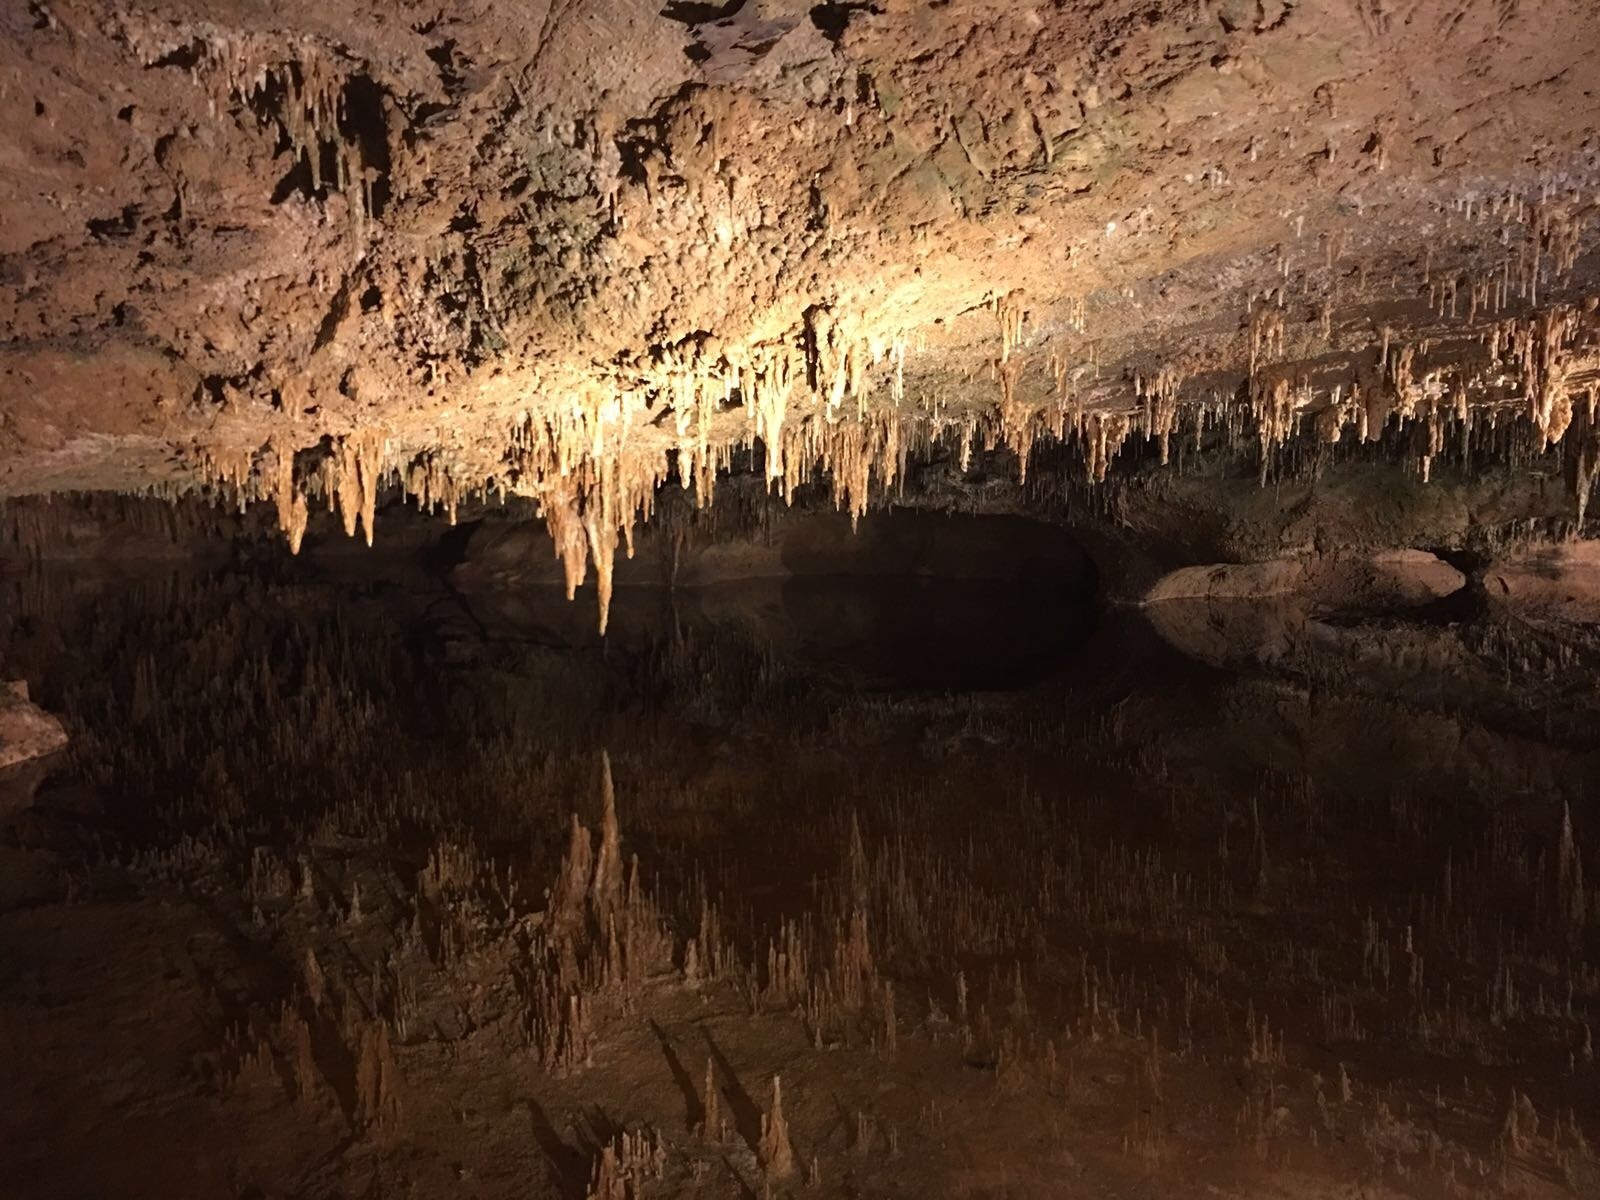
[299, 252]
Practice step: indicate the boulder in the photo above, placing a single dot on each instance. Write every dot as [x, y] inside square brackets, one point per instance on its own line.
[1558, 582]
[1391, 579]
[27, 732]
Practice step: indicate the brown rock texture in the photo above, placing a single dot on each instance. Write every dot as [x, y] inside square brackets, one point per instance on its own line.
[1559, 582]
[1401, 577]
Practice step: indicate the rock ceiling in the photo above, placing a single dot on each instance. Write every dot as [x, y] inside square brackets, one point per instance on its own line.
[299, 251]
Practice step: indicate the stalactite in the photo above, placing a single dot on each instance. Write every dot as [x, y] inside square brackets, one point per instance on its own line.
[1330, 420]
[1540, 346]
[433, 485]
[1402, 381]
[1275, 414]
[298, 85]
[1103, 434]
[353, 475]
[1582, 451]
[591, 482]
[1266, 335]
[1008, 310]
[292, 512]
[1556, 234]
[1161, 407]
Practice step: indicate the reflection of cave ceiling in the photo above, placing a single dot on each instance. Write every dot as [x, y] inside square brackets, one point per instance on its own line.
[542, 244]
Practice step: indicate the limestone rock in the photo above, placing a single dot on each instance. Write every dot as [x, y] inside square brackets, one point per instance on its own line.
[26, 730]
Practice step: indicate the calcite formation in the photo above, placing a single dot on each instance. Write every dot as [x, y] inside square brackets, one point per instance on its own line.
[323, 253]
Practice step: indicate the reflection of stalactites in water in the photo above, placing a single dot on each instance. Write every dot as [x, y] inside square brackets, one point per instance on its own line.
[564, 909]
[1571, 900]
[605, 890]
[776, 1151]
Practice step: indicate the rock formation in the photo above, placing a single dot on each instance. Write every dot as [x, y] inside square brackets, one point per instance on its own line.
[315, 255]
[27, 732]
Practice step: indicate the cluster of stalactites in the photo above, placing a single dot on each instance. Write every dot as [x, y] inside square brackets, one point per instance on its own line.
[831, 361]
[351, 477]
[1544, 237]
[1273, 403]
[243, 477]
[347, 473]
[1553, 244]
[840, 354]
[1545, 349]
[1366, 404]
[293, 513]
[1104, 434]
[854, 454]
[301, 83]
[1266, 334]
[765, 385]
[1160, 406]
[1549, 361]
[592, 482]
[594, 486]
[434, 486]
[1009, 311]
[589, 469]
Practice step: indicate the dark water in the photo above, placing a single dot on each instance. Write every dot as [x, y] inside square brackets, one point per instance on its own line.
[900, 600]
[938, 634]
[1069, 797]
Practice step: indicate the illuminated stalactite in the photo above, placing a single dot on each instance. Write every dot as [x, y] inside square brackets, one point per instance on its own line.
[291, 504]
[1160, 415]
[1266, 335]
[1009, 311]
